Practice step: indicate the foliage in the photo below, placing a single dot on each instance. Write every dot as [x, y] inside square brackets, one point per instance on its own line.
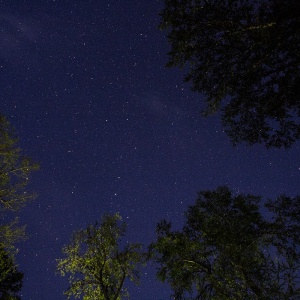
[228, 250]
[244, 57]
[97, 265]
[15, 170]
[11, 233]
[10, 277]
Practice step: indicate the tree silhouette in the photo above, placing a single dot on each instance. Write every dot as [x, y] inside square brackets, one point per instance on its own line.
[10, 277]
[244, 57]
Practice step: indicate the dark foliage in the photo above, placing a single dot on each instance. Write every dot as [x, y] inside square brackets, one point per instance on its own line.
[244, 57]
[10, 277]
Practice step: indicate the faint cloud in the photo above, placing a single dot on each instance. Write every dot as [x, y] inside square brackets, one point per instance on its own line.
[154, 105]
[18, 39]
[21, 26]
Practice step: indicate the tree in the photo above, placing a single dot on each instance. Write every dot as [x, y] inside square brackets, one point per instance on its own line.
[229, 250]
[244, 57]
[10, 277]
[97, 266]
[15, 170]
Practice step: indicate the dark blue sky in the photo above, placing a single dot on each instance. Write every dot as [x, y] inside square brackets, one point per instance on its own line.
[85, 86]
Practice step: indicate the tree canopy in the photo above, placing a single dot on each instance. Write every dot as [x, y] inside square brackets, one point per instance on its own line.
[97, 264]
[229, 250]
[244, 57]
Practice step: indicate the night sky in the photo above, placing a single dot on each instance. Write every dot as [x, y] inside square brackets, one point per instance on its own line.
[85, 85]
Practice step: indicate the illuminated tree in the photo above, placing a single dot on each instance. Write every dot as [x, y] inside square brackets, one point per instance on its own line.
[97, 265]
[15, 170]
[228, 250]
